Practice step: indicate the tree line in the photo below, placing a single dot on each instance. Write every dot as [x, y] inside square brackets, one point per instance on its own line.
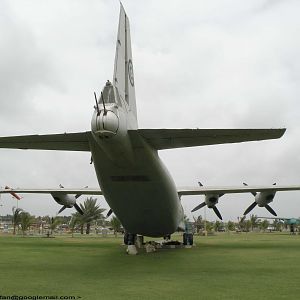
[92, 214]
[252, 224]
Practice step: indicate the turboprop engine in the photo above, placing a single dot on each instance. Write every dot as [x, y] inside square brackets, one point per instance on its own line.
[67, 201]
[210, 200]
[262, 199]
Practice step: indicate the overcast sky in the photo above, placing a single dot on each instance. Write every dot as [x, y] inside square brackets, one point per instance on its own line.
[197, 64]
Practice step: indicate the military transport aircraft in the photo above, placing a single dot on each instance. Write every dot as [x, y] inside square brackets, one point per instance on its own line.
[134, 181]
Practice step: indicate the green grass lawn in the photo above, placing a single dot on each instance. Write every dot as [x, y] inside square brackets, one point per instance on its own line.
[235, 266]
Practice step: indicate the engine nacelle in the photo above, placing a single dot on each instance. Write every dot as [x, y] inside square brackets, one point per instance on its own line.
[211, 200]
[264, 198]
[64, 199]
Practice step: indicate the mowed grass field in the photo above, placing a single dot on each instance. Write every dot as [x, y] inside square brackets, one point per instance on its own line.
[224, 266]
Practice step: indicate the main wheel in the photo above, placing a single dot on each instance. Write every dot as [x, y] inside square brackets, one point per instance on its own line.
[129, 238]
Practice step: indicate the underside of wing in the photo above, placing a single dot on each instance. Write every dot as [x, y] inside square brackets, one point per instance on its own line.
[67, 141]
[185, 191]
[82, 191]
[177, 138]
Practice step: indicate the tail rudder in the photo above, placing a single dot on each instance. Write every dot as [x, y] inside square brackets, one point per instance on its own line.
[123, 70]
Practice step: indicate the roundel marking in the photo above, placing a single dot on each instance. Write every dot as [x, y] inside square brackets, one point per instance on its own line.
[130, 72]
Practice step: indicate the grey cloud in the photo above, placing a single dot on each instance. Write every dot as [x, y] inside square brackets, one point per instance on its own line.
[220, 64]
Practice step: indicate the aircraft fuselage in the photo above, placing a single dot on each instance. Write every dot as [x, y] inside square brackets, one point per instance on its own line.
[133, 179]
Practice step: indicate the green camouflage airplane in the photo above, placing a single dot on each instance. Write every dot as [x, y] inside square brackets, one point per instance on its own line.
[132, 178]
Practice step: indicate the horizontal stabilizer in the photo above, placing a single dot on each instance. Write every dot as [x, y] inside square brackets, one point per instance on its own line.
[185, 191]
[178, 138]
[67, 141]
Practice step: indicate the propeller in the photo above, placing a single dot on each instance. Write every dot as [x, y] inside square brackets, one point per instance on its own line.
[68, 201]
[199, 206]
[250, 208]
[217, 212]
[262, 199]
[210, 200]
[271, 210]
[109, 213]
[77, 207]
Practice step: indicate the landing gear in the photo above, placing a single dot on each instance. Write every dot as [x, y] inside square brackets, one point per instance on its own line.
[129, 240]
[167, 237]
[188, 239]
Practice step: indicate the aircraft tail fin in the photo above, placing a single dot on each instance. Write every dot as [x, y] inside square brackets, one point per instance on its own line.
[123, 70]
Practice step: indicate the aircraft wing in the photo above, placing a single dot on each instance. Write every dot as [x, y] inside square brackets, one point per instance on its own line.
[177, 138]
[67, 141]
[186, 191]
[83, 191]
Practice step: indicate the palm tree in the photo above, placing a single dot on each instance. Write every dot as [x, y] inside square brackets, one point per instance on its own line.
[53, 224]
[115, 224]
[91, 212]
[79, 220]
[217, 225]
[247, 225]
[209, 226]
[277, 224]
[16, 217]
[230, 226]
[254, 221]
[198, 223]
[73, 222]
[25, 221]
[241, 223]
[264, 225]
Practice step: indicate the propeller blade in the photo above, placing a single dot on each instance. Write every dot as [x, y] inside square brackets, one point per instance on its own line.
[253, 193]
[109, 213]
[97, 106]
[63, 208]
[200, 184]
[199, 206]
[270, 209]
[77, 207]
[250, 208]
[217, 212]
[103, 102]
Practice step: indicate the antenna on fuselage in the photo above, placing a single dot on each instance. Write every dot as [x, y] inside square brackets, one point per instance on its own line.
[102, 99]
[97, 106]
